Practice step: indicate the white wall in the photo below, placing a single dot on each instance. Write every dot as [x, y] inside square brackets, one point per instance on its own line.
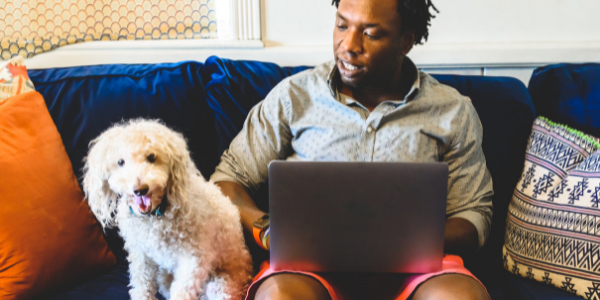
[470, 37]
[465, 32]
[488, 37]
[298, 22]
[310, 22]
[516, 21]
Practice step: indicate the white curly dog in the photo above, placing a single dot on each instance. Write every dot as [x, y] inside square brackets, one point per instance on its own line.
[183, 235]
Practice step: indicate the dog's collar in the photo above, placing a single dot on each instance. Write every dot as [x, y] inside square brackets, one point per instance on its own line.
[159, 211]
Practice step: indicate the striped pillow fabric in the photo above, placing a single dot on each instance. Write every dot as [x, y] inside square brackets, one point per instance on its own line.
[553, 225]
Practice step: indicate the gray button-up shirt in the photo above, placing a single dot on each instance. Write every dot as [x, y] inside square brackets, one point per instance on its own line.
[305, 118]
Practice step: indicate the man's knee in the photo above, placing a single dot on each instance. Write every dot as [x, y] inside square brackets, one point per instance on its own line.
[291, 286]
[451, 287]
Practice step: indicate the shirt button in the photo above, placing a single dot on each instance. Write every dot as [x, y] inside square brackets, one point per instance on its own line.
[369, 129]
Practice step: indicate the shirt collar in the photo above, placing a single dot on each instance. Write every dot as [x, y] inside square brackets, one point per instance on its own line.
[408, 68]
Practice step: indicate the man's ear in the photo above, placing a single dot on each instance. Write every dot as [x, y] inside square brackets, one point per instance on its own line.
[407, 41]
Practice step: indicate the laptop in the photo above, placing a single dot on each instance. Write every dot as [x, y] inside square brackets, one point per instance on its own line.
[357, 216]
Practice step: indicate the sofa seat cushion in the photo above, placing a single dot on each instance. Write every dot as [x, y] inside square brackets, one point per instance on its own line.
[568, 94]
[110, 285]
[518, 288]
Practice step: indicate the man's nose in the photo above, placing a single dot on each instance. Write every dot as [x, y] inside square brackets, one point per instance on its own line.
[352, 42]
[141, 190]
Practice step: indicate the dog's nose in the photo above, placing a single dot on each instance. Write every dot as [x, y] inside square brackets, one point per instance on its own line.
[141, 191]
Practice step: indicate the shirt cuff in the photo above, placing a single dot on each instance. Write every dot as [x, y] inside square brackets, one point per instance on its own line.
[220, 176]
[478, 220]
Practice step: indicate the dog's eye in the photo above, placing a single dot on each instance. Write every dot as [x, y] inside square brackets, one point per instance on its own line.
[151, 158]
[121, 162]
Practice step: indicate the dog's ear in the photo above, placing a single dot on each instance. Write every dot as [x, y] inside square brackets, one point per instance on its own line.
[181, 168]
[101, 199]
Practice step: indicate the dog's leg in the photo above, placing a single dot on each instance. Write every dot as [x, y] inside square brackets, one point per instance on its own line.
[143, 273]
[233, 275]
[190, 277]
[165, 279]
[219, 288]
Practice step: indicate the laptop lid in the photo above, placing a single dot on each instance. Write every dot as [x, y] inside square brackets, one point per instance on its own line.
[357, 216]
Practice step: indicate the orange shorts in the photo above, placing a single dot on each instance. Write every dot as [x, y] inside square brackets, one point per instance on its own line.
[344, 286]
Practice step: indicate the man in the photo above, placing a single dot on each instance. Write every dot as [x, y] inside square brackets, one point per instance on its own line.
[370, 104]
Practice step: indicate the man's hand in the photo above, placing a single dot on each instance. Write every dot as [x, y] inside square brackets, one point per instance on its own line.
[460, 237]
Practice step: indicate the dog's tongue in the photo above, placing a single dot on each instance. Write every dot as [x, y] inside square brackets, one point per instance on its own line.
[143, 202]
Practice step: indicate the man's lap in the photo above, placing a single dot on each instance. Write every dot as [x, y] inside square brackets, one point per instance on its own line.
[346, 286]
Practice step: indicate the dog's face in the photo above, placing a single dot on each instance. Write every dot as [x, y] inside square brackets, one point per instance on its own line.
[139, 172]
[139, 162]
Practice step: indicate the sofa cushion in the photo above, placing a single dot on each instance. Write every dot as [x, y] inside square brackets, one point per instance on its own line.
[84, 101]
[49, 238]
[503, 104]
[553, 225]
[113, 285]
[519, 288]
[568, 94]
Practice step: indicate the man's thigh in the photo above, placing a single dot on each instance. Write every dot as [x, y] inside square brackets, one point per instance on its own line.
[451, 287]
[386, 286]
[286, 286]
[453, 280]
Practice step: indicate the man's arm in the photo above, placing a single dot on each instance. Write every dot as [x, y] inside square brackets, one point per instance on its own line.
[265, 137]
[470, 190]
[238, 195]
[460, 237]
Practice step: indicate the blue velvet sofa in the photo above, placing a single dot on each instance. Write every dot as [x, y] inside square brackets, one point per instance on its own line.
[208, 103]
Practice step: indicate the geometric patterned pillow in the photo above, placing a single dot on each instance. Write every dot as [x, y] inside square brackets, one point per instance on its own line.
[553, 225]
[13, 78]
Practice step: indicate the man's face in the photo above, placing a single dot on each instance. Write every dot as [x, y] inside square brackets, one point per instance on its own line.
[368, 44]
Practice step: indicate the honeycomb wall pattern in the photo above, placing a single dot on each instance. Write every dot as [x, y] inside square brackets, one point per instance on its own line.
[29, 27]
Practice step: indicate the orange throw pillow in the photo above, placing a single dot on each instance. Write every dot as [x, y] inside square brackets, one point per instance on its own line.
[49, 238]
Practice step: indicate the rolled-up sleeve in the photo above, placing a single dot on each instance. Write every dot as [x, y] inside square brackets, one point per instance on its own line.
[470, 188]
[265, 137]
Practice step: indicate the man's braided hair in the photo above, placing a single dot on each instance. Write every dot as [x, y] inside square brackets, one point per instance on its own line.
[415, 16]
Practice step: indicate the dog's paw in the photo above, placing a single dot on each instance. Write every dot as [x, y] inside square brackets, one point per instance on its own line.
[138, 294]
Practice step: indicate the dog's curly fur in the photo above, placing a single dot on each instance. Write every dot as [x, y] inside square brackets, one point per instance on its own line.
[195, 249]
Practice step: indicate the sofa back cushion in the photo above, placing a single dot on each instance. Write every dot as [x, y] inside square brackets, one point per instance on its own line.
[503, 104]
[568, 94]
[235, 87]
[84, 101]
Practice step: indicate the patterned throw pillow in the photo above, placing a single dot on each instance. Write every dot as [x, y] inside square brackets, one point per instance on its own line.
[13, 78]
[553, 225]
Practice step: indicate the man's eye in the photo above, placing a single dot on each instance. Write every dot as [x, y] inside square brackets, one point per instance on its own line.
[341, 27]
[372, 37]
[151, 158]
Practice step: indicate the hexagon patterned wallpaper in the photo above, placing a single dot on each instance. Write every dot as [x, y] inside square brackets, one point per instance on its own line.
[29, 27]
